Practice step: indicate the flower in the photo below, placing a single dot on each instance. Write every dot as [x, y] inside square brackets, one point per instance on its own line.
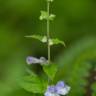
[51, 91]
[43, 60]
[59, 89]
[62, 88]
[34, 60]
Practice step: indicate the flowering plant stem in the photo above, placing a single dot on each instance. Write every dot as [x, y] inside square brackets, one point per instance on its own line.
[48, 31]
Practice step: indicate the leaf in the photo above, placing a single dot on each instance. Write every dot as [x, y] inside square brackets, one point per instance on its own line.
[50, 70]
[43, 39]
[38, 37]
[52, 16]
[44, 15]
[57, 41]
[33, 84]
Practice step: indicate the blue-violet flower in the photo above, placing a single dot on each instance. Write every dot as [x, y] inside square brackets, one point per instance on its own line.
[59, 89]
[34, 60]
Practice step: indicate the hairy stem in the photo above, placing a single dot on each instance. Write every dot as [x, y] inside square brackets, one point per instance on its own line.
[48, 30]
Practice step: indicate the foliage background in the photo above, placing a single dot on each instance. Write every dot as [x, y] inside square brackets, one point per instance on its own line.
[75, 23]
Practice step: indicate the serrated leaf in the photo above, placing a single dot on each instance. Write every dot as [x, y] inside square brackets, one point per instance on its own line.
[50, 70]
[33, 84]
[44, 15]
[43, 39]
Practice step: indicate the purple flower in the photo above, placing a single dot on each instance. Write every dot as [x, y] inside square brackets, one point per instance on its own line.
[51, 91]
[33, 60]
[60, 84]
[60, 89]
[50, 94]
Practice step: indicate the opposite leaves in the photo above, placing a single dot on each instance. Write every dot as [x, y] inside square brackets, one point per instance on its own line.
[44, 15]
[43, 39]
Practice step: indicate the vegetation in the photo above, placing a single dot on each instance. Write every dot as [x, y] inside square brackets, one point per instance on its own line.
[75, 24]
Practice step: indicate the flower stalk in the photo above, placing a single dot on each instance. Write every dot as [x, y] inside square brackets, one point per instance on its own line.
[48, 31]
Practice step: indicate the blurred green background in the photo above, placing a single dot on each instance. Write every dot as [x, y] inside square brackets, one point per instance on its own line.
[75, 23]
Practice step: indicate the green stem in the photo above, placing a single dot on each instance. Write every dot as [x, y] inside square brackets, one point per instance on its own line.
[48, 30]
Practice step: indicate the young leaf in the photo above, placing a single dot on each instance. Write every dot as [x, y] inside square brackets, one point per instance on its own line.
[50, 70]
[43, 39]
[38, 37]
[44, 15]
[33, 84]
[57, 41]
[52, 16]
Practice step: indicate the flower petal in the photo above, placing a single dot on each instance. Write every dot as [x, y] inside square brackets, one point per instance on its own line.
[43, 60]
[50, 94]
[51, 89]
[60, 84]
[63, 91]
[32, 60]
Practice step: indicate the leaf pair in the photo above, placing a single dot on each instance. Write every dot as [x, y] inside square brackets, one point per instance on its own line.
[44, 15]
[43, 39]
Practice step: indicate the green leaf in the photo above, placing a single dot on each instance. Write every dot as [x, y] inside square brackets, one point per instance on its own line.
[38, 37]
[57, 41]
[43, 39]
[33, 84]
[52, 16]
[50, 70]
[44, 15]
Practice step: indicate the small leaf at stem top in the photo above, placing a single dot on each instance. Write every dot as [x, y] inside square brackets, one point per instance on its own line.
[44, 15]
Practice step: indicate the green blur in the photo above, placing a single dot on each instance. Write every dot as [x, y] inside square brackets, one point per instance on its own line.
[75, 23]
